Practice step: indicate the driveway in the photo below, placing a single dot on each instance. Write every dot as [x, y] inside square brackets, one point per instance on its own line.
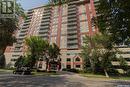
[65, 79]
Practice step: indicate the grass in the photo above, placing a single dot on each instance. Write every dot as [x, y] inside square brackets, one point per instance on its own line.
[121, 78]
[5, 71]
[44, 73]
[98, 76]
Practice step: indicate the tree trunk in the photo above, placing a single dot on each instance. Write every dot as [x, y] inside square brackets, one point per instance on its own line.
[3, 62]
[106, 74]
[92, 65]
[47, 62]
[2, 50]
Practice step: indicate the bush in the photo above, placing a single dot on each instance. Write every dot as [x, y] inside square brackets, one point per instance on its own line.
[113, 72]
[71, 70]
[128, 72]
[88, 70]
[41, 70]
[2, 61]
[64, 69]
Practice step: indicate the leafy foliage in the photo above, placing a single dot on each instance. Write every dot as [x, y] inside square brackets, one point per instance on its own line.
[7, 28]
[40, 48]
[113, 19]
[19, 62]
[99, 51]
[36, 47]
[2, 61]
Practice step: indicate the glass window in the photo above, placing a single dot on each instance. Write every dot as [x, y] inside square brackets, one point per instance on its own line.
[78, 66]
[68, 66]
[40, 65]
[68, 59]
[77, 59]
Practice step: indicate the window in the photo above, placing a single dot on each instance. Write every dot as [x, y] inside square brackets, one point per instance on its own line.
[13, 59]
[77, 59]
[40, 65]
[84, 26]
[68, 66]
[68, 59]
[78, 66]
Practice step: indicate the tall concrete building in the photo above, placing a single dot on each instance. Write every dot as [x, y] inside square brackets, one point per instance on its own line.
[65, 23]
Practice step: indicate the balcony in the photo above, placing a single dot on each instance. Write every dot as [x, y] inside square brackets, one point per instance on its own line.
[46, 17]
[72, 24]
[46, 14]
[26, 23]
[18, 45]
[45, 24]
[71, 42]
[43, 35]
[72, 20]
[72, 13]
[30, 11]
[43, 31]
[71, 37]
[29, 15]
[46, 11]
[22, 34]
[72, 6]
[72, 47]
[47, 8]
[71, 28]
[71, 9]
[21, 37]
[23, 30]
[72, 16]
[72, 32]
[46, 20]
[73, 2]
[44, 27]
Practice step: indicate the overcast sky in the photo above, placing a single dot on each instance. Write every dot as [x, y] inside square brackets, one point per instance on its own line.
[28, 4]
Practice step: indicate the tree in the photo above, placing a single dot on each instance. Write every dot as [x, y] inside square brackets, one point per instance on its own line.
[37, 47]
[53, 53]
[2, 61]
[20, 62]
[7, 28]
[123, 63]
[113, 19]
[100, 52]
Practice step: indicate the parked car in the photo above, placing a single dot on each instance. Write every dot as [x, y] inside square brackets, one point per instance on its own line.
[22, 71]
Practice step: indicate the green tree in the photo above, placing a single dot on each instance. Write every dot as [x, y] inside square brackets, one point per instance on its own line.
[123, 63]
[20, 62]
[7, 28]
[2, 61]
[53, 53]
[113, 19]
[99, 51]
[37, 47]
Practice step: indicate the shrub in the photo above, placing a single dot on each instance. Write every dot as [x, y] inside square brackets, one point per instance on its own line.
[88, 70]
[64, 69]
[128, 72]
[71, 70]
[113, 72]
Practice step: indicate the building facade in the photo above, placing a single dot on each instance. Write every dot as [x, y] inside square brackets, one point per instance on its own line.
[64, 24]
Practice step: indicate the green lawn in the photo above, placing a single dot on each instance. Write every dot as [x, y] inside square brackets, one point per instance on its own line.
[44, 73]
[5, 71]
[96, 76]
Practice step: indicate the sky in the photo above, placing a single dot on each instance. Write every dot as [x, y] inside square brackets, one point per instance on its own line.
[28, 4]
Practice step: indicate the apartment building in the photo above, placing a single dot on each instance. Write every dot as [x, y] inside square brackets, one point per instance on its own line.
[65, 23]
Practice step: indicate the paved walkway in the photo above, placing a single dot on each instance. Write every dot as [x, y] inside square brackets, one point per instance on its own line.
[65, 79]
